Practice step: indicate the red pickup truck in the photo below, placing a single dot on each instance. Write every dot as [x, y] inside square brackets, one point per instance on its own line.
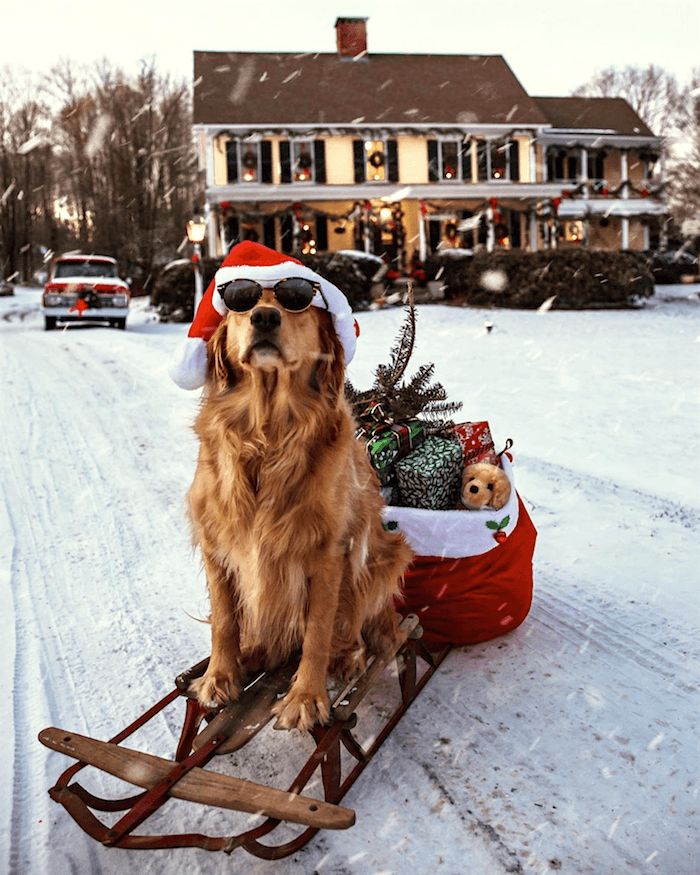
[85, 288]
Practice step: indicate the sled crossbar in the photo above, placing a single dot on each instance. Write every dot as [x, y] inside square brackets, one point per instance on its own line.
[198, 785]
[224, 731]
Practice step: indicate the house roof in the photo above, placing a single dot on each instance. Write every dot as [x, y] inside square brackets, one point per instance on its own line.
[593, 113]
[313, 88]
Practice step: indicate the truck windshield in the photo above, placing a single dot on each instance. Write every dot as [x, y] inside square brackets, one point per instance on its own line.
[91, 269]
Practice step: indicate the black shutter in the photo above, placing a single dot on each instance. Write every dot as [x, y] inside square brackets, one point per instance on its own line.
[514, 161]
[466, 156]
[266, 161]
[392, 161]
[467, 236]
[559, 165]
[285, 166]
[321, 233]
[232, 230]
[481, 160]
[269, 232]
[434, 235]
[231, 161]
[515, 236]
[572, 168]
[358, 156]
[320, 160]
[483, 232]
[433, 165]
[286, 233]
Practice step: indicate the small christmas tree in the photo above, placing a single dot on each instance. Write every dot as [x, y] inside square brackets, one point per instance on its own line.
[402, 401]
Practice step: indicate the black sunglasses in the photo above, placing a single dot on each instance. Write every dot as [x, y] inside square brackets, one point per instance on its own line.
[294, 293]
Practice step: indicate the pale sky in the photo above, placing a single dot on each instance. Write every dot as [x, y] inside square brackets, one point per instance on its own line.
[552, 46]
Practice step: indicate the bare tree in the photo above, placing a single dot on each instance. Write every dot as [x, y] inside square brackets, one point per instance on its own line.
[653, 93]
[684, 172]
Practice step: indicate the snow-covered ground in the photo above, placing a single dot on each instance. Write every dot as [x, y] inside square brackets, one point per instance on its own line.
[570, 745]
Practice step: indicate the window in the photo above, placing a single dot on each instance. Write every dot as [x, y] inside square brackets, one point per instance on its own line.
[375, 160]
[497, 160]
[302, 161]
[498, 154]
[449, 161]
[573, 231]
[564, 165]
[249, 162]
[375, 157]
[596, 166]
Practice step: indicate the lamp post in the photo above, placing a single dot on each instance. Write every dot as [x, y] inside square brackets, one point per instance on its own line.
[196, 229]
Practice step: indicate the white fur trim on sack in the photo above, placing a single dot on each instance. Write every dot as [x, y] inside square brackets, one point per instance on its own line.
[338, 305]
[189, 366]
[454, 534]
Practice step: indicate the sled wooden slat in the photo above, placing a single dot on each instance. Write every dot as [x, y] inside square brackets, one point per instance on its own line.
[244, 719]
[198, 785]
[351, 697]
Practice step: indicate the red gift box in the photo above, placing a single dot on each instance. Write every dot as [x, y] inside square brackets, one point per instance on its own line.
[477, 443]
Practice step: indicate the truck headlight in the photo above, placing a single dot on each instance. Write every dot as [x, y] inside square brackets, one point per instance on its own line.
[53, 300]
[119, 301]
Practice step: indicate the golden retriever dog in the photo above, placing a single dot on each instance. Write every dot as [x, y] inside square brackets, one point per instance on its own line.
[286, 510]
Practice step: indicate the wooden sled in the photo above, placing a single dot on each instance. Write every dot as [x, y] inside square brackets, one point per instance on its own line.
[225, 731]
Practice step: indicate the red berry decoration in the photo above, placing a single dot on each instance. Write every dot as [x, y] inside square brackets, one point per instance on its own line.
[499, 535]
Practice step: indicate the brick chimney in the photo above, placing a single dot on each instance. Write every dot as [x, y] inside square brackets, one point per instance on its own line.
[351, 37]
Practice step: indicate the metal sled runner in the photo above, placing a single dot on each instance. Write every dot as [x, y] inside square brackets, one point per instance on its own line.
[228, 730]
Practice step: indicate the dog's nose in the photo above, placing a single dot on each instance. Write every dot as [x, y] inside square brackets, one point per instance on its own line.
[474, 489]
[266, 318]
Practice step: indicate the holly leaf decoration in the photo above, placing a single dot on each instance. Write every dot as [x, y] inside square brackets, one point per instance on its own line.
[504, 522]
[492, 525]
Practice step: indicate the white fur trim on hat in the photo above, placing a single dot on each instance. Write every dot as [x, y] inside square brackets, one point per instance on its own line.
[338, 305]
[454, 534]
[189, 366]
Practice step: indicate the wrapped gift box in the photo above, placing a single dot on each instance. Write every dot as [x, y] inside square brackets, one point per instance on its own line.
[431, 476]
[392, 443]
[477, 443]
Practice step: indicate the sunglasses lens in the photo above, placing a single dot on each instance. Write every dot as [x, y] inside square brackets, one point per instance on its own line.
[295, 294]
[241, 295]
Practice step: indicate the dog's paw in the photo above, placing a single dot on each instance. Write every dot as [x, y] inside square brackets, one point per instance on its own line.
[216, 688]
[301, 709]
[348, 664]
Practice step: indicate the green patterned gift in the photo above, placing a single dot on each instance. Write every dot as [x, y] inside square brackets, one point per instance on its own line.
[392, 443]
[431, 476]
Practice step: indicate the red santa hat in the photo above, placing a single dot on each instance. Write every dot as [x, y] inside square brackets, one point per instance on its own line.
[253, 261]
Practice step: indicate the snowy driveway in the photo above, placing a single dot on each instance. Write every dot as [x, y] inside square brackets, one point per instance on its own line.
[569, 745]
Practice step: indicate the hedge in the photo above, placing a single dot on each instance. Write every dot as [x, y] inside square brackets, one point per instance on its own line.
[173, 289]
[579, 278]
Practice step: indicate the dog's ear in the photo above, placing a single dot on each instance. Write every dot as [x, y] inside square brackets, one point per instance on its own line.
[501, 491]
[328, 376]
[221, 374]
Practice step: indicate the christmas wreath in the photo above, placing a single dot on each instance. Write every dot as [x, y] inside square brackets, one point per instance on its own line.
[249, 161]
[376, 159]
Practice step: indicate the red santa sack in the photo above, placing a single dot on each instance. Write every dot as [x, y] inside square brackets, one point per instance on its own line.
[471, 579]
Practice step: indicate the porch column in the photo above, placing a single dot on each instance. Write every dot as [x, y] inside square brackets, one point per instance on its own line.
[544, 164]
[583, 175]
[533, 230]
[624, 194]
[645, 235]
[490, 230]
[533, 161]
[422, 247]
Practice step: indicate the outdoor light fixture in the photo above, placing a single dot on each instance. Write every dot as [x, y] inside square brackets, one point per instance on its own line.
[196, 229]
